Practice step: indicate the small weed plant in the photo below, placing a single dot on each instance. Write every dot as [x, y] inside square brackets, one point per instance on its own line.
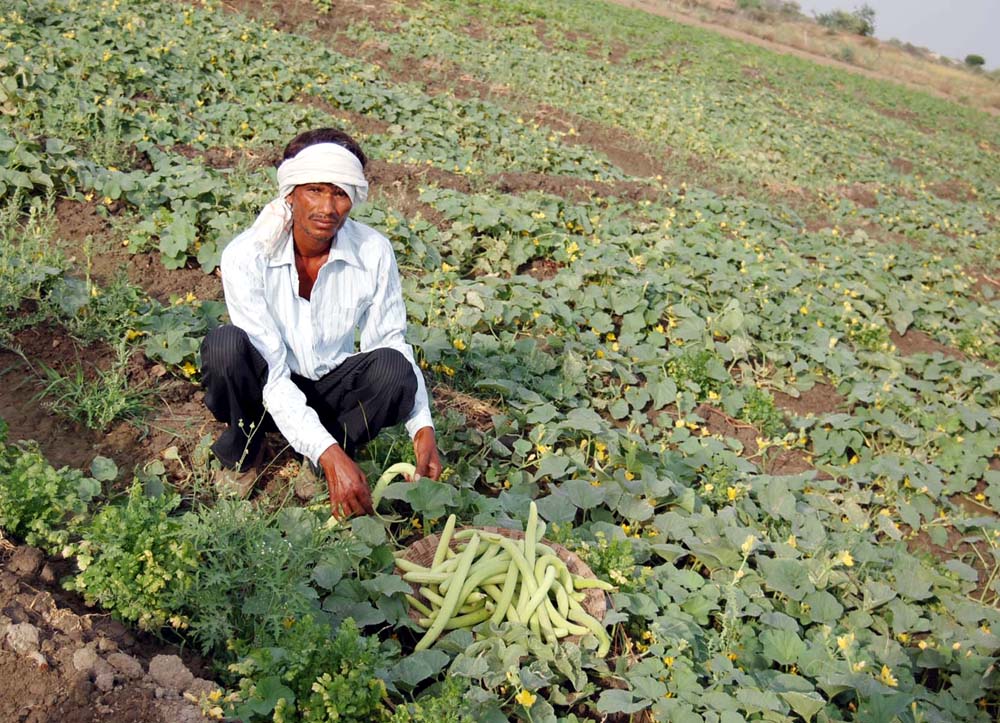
[96, 402]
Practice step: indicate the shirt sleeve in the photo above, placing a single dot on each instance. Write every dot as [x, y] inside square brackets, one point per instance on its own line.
[243, 284]
[384, 326]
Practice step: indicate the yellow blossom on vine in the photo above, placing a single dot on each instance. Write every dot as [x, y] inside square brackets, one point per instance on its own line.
[886, 676]
[525, 698]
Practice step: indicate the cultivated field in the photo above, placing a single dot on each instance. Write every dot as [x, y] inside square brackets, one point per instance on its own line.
[731, 319]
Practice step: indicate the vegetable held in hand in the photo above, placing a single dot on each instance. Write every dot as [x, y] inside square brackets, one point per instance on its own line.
[401, 468]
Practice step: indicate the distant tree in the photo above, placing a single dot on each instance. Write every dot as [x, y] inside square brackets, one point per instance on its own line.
[866, 20]
[859, 22]
[975, 61]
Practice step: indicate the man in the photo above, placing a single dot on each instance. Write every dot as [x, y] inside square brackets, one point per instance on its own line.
[298, 284]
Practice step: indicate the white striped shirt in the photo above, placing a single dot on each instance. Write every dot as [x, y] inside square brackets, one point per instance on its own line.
[356, 288]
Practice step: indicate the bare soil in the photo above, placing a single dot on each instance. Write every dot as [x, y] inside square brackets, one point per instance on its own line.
[53, 683]
[820, 399]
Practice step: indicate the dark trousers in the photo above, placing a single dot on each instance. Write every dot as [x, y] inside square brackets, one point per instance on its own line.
[355, 401]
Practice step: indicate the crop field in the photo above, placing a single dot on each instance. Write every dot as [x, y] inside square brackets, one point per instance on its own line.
[731, 320]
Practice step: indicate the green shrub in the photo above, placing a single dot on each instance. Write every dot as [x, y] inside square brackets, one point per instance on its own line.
[38, 503]
[445, 706]
[313, 677]
[760, 411]
[975, 61]
[135, 560]
[252, 580]
[702, 368]
[858, 22]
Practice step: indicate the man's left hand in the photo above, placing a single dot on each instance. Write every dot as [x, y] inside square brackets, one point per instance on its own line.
[426, 452]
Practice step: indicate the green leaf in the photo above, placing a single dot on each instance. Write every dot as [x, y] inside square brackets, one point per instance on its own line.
[787, 576]
[419, 666]
[103, 469]
[782, 646]
[267, 693]
[805, 704]
[583, 494]
[584, 419]
[327, 574]
[619, 409]
[553, 466]
[387, 584]
[556, 507]
[618, 701]
[369, 530]
[430, 498]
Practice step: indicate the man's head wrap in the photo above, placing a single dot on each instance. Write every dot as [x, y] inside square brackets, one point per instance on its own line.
[318, 163]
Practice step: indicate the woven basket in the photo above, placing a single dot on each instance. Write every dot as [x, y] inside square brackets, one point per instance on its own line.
[422, 552]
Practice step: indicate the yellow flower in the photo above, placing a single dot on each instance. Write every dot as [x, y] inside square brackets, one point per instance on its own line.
[458, 344]
[844, 641]
[189, 369]
[525, 698]
[887, 677]
[845, 558]
[748, 544]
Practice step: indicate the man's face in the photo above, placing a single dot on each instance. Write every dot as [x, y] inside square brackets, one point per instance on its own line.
[318, 211]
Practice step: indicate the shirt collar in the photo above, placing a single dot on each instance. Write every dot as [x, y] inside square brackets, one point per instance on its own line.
[344, 248]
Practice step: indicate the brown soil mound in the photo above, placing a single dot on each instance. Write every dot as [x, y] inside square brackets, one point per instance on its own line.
[74, 666]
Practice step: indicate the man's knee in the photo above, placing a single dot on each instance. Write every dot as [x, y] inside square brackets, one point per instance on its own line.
[224, 348]
[391, 368]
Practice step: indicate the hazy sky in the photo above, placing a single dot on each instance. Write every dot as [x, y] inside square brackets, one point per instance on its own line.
[955, 29]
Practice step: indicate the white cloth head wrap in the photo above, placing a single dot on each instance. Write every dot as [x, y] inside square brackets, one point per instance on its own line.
[318, 163]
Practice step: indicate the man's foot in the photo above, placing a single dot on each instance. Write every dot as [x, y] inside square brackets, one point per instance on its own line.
[306, 482]
[231, 482]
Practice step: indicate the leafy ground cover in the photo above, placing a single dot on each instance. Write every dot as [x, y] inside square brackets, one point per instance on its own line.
[773, 424]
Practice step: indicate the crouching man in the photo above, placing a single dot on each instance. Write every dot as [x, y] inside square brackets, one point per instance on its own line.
[299, 284]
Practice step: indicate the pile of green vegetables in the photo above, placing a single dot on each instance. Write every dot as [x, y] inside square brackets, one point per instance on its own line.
[495, 577]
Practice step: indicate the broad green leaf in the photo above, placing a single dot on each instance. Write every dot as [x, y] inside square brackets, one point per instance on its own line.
[369, 530]
[782, 646]
[327, 574]
[790, 577]
[619, 701]
[103, 469]
[430, 498]
[387, 584]
[805, 704]
[419, 666]
[582, 493]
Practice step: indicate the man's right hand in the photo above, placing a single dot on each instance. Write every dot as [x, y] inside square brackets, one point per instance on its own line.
[349, 490]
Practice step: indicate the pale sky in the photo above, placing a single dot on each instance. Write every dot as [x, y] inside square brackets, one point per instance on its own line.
[955, 28]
